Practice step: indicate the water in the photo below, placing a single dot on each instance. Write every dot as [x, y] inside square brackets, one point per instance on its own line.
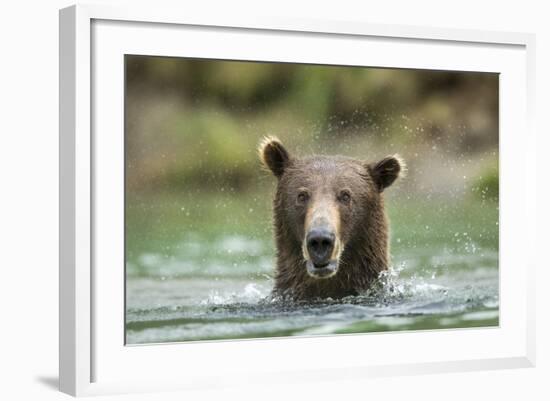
[200, 276]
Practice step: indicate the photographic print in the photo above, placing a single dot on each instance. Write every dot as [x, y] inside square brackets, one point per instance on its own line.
[267, 199]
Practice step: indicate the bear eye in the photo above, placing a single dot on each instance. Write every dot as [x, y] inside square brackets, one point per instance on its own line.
[344, 196]
[303, 197]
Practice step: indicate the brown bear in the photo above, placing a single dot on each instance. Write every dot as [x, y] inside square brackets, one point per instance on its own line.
[331, 230]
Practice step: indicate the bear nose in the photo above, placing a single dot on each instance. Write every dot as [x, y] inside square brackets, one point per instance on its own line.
[320, 243]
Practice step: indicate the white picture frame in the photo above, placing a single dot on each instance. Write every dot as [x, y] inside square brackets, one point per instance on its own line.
[93, 357]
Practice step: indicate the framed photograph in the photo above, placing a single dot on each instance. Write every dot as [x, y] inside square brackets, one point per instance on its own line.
[250, 199]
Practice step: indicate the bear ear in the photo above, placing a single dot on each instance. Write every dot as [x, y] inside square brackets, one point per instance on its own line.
[273, 155]
[386, 171]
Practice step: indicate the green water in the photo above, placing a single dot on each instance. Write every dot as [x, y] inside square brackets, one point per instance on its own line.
[203, 271]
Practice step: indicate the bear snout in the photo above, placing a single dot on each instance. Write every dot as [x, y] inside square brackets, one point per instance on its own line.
[320, 245]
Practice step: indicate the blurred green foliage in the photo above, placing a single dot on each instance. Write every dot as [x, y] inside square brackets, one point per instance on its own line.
[486, 186]
[196, 123]
[217, 156]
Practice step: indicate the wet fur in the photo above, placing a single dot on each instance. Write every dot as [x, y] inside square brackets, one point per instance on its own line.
[364, 227]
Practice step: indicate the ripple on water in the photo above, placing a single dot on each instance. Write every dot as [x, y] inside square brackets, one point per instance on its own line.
[189, 309]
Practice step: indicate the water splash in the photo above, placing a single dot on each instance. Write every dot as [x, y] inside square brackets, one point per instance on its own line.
[184, 298]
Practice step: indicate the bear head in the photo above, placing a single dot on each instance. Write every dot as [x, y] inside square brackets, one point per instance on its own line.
[331, 230]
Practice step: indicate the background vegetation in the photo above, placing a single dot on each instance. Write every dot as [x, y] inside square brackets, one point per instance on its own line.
[193, 125]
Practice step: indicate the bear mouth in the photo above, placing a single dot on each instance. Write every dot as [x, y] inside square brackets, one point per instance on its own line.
[322, 271]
